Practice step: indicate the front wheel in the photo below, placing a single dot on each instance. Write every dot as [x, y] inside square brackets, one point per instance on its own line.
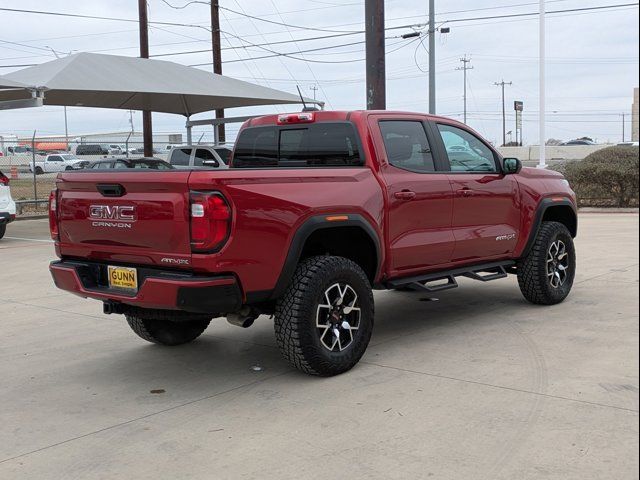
[324, 321]
[166, 328]
[3, 230]
[39, 171]
[547, 273]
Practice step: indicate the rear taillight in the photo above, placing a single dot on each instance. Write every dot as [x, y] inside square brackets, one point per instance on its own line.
[53, 214]
[4, 180]
[210, 221]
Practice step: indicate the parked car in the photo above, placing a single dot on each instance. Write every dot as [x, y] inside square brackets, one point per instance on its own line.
[55, 163]
[92, 149]
[118, 163]
[115, 149]
[18, 150]
[199, 156]
[140, 151]
[317, 209]
[578, 142]
[7, 205]
[629, 144]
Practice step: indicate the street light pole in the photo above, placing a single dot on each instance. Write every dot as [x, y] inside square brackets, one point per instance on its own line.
[543, 159]
[432, 57]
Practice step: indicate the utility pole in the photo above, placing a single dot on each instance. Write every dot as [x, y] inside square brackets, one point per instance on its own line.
[216, 48]
[542, 94]
[376, 66]
[504, 111]
[314, 88]
[465, 61]
[432, 57]
[147, 127]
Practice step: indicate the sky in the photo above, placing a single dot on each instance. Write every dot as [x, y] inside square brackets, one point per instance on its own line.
[591, 72]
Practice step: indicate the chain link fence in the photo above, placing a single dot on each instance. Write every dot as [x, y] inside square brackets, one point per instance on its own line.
[32, 172]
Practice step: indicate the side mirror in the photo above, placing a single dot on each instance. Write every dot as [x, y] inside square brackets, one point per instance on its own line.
[511, 166]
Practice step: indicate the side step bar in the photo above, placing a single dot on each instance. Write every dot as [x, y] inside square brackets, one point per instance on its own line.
[484, 273]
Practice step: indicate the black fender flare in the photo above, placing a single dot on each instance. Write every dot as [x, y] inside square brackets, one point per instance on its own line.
[311, 225]
[543, 206]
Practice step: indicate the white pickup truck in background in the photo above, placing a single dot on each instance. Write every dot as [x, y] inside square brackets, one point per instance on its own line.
[55, 163]
[211, 156]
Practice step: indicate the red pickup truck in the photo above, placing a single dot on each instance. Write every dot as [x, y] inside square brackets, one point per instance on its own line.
[316, 211]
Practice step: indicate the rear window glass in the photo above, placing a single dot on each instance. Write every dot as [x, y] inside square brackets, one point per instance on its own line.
[316, 145]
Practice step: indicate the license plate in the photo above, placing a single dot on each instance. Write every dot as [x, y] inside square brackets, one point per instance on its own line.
[123, 278]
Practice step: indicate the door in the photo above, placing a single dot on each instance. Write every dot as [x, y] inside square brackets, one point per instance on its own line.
[486, 213]
[419, 198]
[53, 163]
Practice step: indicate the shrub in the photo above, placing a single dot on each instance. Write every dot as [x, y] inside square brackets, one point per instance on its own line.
[610, 174]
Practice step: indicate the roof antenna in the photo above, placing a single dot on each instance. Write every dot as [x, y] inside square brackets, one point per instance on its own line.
[306, 108]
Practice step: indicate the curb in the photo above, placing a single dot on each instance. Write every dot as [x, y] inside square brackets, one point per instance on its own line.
[32, 217]
[608, 210]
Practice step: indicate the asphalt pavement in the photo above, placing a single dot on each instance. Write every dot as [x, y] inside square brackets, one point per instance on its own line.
[472, 384]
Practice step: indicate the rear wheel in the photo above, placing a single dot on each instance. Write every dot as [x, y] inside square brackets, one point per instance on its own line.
[3, 230]
[323, 322]
[546, 275]
[39, 171]
[166, 328]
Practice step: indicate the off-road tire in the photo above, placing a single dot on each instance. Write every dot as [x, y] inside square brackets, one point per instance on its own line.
[297, 334]
[165, 327]
[3, 230]
[532, 269]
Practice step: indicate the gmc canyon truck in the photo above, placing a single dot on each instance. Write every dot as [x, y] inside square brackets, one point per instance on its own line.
[316, 211]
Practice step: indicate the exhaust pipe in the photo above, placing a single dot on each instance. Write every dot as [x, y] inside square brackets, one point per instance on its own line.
[244, 318]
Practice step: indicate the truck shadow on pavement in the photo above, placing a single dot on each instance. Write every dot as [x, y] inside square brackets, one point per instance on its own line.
[229, 354]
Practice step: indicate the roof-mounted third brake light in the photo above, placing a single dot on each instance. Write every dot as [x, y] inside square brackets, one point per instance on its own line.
[294, 118]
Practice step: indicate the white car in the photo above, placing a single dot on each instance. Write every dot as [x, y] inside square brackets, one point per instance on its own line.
[58, 162]
[7, 205]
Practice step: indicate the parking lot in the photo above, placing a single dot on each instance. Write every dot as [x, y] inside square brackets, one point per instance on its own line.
[476, 384]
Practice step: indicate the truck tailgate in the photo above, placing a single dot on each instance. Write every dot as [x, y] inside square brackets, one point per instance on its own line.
[137, 217]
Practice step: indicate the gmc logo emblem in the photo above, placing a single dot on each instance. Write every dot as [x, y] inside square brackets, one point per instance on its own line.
[114, 212]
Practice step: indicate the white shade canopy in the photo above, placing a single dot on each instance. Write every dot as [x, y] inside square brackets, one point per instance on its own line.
[131, 83]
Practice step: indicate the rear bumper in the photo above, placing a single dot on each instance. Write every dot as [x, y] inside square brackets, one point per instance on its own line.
[158, 289]
[6, 217]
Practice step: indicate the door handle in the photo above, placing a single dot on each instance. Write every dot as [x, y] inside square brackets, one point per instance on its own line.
[465, 192]
[405, 195]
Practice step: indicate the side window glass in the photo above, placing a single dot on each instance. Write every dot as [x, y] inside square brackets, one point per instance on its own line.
[466, 152]
[120, 165]
[202, 156]
[181, 157]
[55, 158]
[407, 145]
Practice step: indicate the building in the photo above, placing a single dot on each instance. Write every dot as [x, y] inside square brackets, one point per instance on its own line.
[635, 131]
